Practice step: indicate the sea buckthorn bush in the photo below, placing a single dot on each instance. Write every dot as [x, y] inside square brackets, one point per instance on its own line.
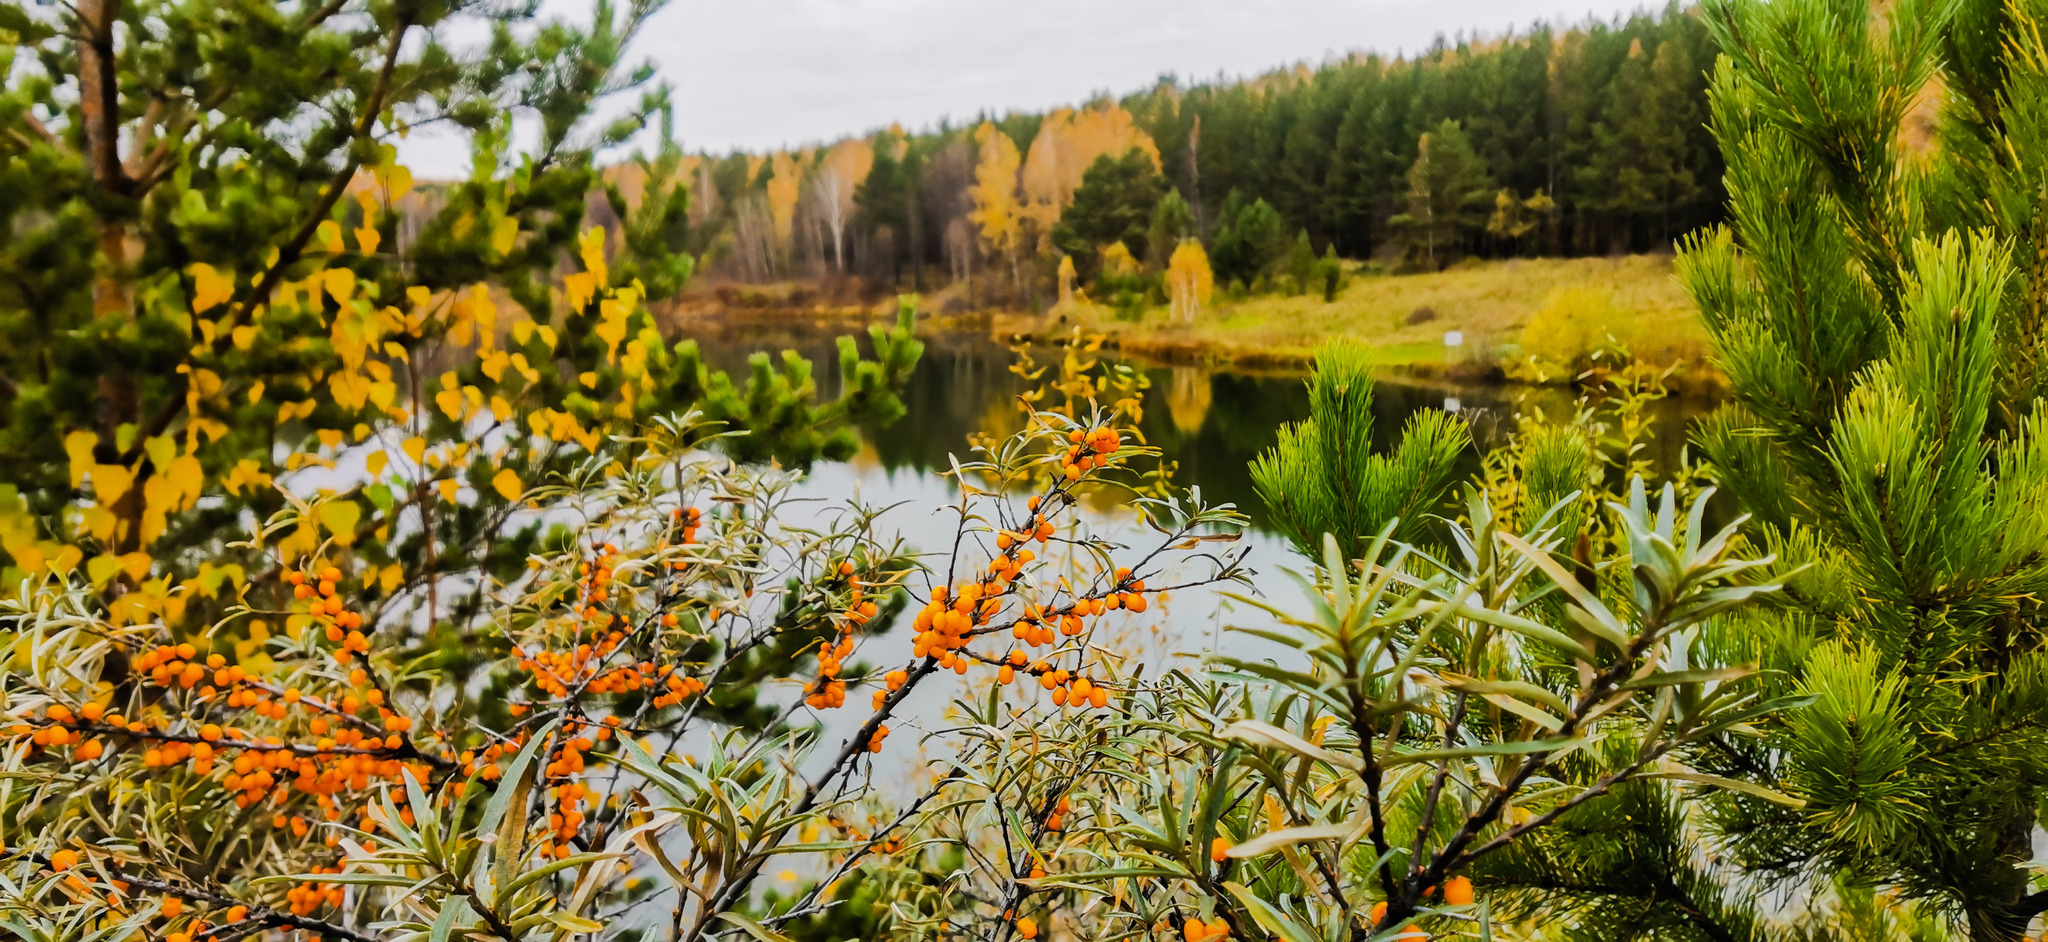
[629, 736]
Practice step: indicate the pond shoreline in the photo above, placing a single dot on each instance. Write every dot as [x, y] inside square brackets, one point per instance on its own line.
[1690, 377]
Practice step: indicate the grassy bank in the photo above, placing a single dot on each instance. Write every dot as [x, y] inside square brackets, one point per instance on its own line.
[1403, 318]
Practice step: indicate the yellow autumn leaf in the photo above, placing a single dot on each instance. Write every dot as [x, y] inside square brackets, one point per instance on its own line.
[101, 569]
[186, 473]
[494, 365]
[390, 577]
[340, 518]
[210, 287]
[448, 487]
[580, 287]
[396, 178]
[590, 246]
[506, 483]
[340, 284]
[450, 402]
[110, 482]
[367, 239]
[79, 446]
[159, 498]
[161, 450]
[256, 392]
[504, 235]
[29, 557]
[244, 337]
[351, 389]
[135, 564]
[206, 383]
[415, 448]
[99, 522]
[329, 235]
[376, 462]
[611, 325]
[246, 473]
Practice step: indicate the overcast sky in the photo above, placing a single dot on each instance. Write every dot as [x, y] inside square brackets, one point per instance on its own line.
[764, 74]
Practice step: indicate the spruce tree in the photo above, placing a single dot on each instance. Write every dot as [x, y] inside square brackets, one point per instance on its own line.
[1879, 309]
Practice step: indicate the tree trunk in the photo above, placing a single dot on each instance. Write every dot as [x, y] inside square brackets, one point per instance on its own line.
[99, 102]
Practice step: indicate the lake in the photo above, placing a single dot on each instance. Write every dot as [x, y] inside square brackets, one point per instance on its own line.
[1211, 423]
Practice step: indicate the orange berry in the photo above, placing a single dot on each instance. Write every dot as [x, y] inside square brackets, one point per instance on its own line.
[88, 751]
[1027, 927]
[63, 860]
[1219, 849]
[1458, 891]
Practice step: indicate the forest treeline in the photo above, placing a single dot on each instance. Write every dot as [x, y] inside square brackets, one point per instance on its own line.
[1586, 140]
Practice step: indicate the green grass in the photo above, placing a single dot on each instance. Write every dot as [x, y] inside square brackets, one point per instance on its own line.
[1490, 302]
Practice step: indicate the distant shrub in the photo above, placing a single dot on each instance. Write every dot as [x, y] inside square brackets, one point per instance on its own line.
[1421, 315]
[1575, 328]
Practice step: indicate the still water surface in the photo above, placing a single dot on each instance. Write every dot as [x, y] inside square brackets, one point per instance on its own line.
[1209, 423]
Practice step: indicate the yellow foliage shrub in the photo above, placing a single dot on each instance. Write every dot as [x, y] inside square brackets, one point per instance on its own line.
[1574, 328]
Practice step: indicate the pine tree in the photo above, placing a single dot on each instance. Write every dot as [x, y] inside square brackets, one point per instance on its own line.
[1114, 203]
[1322, 476]
[1449, 195]
[1879, 312]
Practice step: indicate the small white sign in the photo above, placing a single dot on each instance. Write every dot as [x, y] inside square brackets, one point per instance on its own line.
[1454, 338]
[1451, 404]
